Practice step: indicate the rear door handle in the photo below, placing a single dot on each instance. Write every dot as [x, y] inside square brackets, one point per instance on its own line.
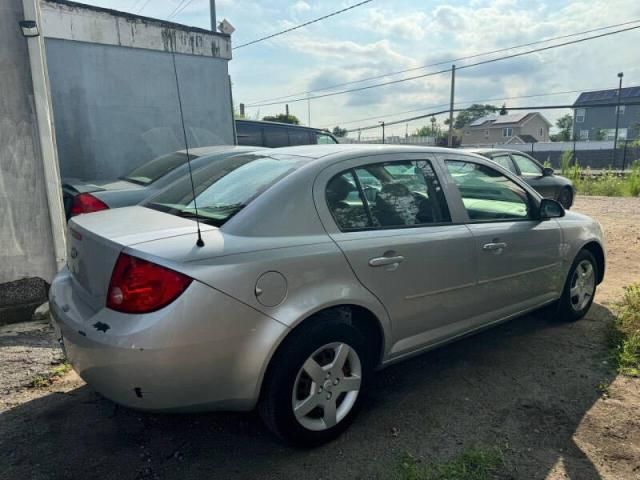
[494, 246]
[383, 261]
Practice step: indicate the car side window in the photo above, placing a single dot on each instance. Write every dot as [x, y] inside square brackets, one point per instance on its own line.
[528, 168]
[275, 136]
[346, 203]
[324, 139]
[487, 194]
[505, 162]
[391, 194]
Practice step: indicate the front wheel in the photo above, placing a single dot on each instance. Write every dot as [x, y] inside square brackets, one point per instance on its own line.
[565, 198]
[314, 385]
[580, 287]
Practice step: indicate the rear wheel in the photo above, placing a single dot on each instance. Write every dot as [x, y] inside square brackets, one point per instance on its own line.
[314, 385]
[565, 198]
[580, 287]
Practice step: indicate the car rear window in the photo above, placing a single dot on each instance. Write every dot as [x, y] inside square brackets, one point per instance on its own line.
[151, 171]
[224, 187]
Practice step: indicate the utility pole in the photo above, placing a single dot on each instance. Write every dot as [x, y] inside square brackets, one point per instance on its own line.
[308, 109]
[382, 123]
[615, 138]
[286, 108]
[212, 12]
[453, 90]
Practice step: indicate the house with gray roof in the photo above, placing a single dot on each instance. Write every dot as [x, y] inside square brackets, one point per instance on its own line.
[595, 122]
[513, 128]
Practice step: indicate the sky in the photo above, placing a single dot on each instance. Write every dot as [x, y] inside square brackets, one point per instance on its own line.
[385, 36]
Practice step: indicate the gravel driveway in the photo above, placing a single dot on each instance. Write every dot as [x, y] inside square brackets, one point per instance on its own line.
[538, 389]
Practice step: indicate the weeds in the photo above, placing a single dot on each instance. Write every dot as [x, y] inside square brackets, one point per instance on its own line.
[609, 183]
[45, 380]
[473, 464]
[624, 335]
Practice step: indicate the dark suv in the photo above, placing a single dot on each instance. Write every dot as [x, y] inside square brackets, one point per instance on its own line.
[272, 134]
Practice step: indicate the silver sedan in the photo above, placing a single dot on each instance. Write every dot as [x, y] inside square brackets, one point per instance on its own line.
[319, 265]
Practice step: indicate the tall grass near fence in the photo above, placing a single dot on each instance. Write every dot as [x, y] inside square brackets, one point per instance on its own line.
[609, 183]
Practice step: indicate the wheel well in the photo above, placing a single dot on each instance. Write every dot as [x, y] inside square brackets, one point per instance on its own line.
[598, 253]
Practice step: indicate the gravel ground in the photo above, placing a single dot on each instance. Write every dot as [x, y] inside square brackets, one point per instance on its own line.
[538, 389]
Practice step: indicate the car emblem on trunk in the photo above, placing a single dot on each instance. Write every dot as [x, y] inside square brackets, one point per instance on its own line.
[74, 252]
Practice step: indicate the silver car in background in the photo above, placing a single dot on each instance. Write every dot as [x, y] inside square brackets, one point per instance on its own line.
[80, 196]
[319, 265]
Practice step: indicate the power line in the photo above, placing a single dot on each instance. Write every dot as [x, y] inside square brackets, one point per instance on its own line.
[415, 77]
[180, 8]
[466, 102]
[143, 6]
[445, 62]
[302, 24]
[534, 107]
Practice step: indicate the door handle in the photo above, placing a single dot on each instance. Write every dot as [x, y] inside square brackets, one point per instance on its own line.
[494, 246]
[383, 261]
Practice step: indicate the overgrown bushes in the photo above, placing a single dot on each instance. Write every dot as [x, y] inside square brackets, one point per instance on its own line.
[625, 333]
[608, 183]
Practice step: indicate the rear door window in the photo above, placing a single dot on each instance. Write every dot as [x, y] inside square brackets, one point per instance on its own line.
[387, 195]
[299, 137]
[275, 136]
[249, 134]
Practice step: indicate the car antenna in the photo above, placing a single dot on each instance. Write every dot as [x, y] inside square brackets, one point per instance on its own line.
[199, 242]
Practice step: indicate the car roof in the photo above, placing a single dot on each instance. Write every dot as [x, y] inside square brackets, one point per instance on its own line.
[331, 153]
[216, 149]
[282, 124]
[482, 151]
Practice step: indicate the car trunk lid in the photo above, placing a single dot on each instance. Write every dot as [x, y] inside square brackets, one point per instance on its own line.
[95, 241]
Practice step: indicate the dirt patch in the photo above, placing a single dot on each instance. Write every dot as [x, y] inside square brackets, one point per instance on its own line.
[539, 390]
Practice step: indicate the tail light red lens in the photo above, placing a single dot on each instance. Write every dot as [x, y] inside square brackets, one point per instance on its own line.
[86, 203]
[139, 286]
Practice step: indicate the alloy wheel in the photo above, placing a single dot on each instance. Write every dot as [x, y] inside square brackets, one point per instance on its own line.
[327, 386]
[583, 285]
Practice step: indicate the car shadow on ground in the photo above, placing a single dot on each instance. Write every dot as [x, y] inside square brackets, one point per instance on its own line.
[522, 387]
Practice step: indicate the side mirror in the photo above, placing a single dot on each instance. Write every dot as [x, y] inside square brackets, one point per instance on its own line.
[547, 172]
[550, 209]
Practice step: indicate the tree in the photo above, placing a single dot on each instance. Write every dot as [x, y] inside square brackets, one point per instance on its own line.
[282, 118]
[340, 132]
[564, 124]
[472, 113]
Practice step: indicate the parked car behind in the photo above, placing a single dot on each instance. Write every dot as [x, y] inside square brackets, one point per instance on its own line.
[306, 283]
[531, 171]
[81, 196]
[275, 134]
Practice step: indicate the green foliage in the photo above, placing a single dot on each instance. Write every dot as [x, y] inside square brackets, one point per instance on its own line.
[282, 118]
[473, 464]
[472, 113]
[564, 124]
[41, 381]
[339, 132]
[634, 179]
[624, 334]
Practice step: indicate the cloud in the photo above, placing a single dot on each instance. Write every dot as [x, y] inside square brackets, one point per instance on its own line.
[412, 26]
[300, 7]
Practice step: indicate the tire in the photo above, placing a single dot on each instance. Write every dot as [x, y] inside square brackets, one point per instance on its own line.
[579, 288]
[565, 197]
[287, 380]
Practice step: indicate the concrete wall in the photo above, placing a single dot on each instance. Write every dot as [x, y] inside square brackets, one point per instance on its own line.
[114, 90]
[25, 233]
[117, 107]
[26, 243]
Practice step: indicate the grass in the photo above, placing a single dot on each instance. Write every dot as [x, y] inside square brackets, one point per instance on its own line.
[609, 184]
[624, 334]
[472, 464]
[45, 380]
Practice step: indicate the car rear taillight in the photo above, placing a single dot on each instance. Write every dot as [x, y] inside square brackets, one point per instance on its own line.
[139, 286]
[86, 203]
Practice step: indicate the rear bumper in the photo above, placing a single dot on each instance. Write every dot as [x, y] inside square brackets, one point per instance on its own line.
[205, 351]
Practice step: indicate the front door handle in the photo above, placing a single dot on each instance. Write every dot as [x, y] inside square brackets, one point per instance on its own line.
[383, 261]
[494, 246]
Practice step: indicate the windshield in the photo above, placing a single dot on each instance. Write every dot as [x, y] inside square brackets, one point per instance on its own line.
[224, 187]
[151, 171]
